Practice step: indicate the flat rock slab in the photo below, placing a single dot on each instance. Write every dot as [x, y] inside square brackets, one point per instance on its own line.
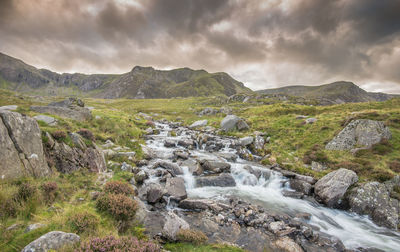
[9, 107]
[77, 113]
[47, 119]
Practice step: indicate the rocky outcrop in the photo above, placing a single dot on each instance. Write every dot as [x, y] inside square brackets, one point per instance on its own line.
[21, 147]
[362, 132]
[67, 159]
[71, 108]
[373, 199]
[232, 122]
[51, 121]
[173, 223]
[198, 124]
[54, 240]
[331, 188]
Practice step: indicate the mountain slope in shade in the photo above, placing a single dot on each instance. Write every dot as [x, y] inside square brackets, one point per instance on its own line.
[333, 93]
[141, 82]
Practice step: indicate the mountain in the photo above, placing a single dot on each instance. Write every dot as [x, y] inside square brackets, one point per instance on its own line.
[333, 93]
[140, 83]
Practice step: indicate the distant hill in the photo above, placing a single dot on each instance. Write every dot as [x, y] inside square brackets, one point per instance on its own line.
[333, 93]
[140, 83]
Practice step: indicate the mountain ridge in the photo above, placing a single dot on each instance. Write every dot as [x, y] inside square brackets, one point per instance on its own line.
[139, 83]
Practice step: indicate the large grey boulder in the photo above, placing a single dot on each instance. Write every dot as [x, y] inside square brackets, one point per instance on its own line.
[173, 223]
[21, 147]
[244, 141]
[331, 188]
[373, 199]
[54, 240]
[176, 188]
[154, 192]
[198, 124]
[361, 132]
[232, 122]
[222, 180]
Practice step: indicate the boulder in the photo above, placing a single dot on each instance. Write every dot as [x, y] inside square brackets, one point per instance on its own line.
[373, 199]
[187, 143]
[361, 132]
[287, 245]
[331, 188]
[215, 166]
[154, 192]
[198, 124]
[33, 227]
[21, 147]
[9, 107]
[54, 240]
[315, 166]
[176, 188]
[301, 186]
[208, 111]
[173, 223]
[169, 143]
[244, 141]
[232, 122]
[173, 168]
[70, 102]
[51, 121]
[311, 120]
[181, 154]
[200, 205]
[222, 180]
[259, 142]
[230, 157]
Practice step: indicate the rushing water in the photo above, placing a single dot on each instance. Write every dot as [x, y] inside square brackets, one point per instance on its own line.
[353, 230]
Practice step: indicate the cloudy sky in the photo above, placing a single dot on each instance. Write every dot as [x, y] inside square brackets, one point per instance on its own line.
[264, 44]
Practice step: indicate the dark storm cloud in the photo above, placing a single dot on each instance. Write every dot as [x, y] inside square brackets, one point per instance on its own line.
[262, 43]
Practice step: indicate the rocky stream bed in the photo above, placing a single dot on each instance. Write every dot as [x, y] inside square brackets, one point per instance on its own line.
[192, 179]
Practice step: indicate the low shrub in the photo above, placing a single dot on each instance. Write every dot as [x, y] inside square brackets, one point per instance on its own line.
[59, 135]
[394, 166]
[111, 243]
[86, 134]
[49, 191]
[26, 191]
[395, 192]
[382, 148]
[191, 236]
[8, 207]
[83, 222]
[119, 206]
[150, 123]
[381, 175]
[118, 187]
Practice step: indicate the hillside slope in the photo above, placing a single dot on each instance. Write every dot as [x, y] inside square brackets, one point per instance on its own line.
[333, 93]
[141, 82]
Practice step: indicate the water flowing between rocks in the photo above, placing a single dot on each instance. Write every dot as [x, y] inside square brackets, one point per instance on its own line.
[353, 230]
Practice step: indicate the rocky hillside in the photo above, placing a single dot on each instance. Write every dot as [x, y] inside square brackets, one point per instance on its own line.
[333, 93]
[141, 82]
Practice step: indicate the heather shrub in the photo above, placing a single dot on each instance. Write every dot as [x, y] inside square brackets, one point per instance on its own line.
[83, 222]
[59, 135]
[384, 147]
[119, 206]
[394, 166]
[117, 187]
[111, 243]
[191, 236]
[86, 134]
[150, 123]
[8, 206]
[381, 175]
[49, 191]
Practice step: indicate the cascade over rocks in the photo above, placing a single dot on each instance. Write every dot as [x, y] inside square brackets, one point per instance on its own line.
[21, 147]
[360, 133]
[331, 188]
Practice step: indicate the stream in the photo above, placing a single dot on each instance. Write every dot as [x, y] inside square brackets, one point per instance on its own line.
[353, 230]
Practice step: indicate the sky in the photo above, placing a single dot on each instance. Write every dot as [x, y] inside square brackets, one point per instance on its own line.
[264, 44]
